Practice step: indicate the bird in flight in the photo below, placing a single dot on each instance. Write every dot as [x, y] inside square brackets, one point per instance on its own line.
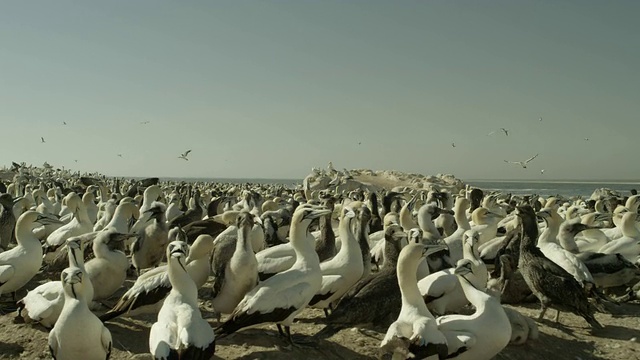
[64, 123]
[145, 122]
[42, 140]
[542, 171]
[586, 139]
[75, 160]
[184, 155]
[506, 132]
[119, 155]
[523, 163]
[491, 133]
[540, 118]
[453, 144]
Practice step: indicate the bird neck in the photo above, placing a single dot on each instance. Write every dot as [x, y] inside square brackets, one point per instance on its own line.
[76, 258]
[24, 234]
[529, 233]
[244, 240]
[476, 297]
[408, 282]
[303, 244]
[182, 282]
[461, 216]
[469, 252]
[628, 227]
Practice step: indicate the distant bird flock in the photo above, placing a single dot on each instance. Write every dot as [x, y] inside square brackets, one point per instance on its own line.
[431, 267]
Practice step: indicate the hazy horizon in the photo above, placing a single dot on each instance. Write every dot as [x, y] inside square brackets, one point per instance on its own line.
[270, 89]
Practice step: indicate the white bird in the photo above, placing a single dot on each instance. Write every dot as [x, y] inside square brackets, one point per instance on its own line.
[180, 331]
[523, 163]
[108, 270]
[342, 271]
[21, 263]
[184, 155]
[150, 289]
[628, 245]
[283, 296]
[481, 335]
[234, 265]
[79, 225]
[441, 290]
[542, 171]
[78, 333]
[44, 303]
[415, 333]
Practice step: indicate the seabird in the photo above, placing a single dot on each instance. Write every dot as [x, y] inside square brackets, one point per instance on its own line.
[453, 144]
[522, 163]
[341, 272]
[42, 140]
[234, 265]
[64, 123]
[22, 263]
[551, 284]
[7, 220]
[44, 303]
[441, 290]
[184, 155]
[326, 242]
[149, 248]
[375, 299]
[119, 155]
[280, 298]
[78, 333]
[180, 331]
[506, 132]
[108, 270]
[149, 290]
[415, 333]
[481, 335]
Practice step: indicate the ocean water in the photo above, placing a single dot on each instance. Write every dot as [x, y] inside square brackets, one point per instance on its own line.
[515, 187]
[552, 188]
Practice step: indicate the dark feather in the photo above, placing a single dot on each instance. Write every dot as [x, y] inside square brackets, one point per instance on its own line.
[126, 304]
[242, 319]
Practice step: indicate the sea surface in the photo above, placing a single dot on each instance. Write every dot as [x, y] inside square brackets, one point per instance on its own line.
[515, 187]
[552, 188]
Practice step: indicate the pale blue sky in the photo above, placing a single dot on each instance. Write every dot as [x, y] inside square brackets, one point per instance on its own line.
[268, 89]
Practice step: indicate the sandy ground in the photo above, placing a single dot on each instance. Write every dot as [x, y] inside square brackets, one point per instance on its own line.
[570, 339]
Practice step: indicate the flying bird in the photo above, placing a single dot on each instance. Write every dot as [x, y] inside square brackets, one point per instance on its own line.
[506, 132]
[119, 155]
[491, 133]
[542, 171]
[540, 119]
[144, 122]
[184, 156]
[42, 140]
[453, 144]
[586, 139]
[64, 123]
[75, 160]
[522, 163]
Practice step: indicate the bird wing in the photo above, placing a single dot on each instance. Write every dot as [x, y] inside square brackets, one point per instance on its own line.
[162, 334]
[513, 162]
[330, 285]
[106, 341]
[531, 158]
[222, 254]
[187, 152]
[6, 273]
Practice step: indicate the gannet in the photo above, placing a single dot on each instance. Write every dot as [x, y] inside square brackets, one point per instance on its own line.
[341, 272]
[280, 298]
[180, 331]
[523, 163]
[149, 248]
[454, 241]
[7, 220]
[78, 333]
[415, 333]
[105, 214]
[88, 199]
[441, 290]
[149, 290]
[234, 265]
[375, 299]
[79, 225]
[44, 303]
[108, 270]
[184, 155]
[481, 335]
[550, 283]
[22, 263]
[629, 244]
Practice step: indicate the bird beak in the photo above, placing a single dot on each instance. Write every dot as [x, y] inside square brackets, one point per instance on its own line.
[46, 220]
[432, 249]
[316, 213]
[400, 235]
[462, 270]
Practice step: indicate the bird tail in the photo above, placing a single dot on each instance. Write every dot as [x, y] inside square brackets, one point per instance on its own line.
[227, 328]
[328, 331]
[592, 321]
[111, 314]
[600, 301]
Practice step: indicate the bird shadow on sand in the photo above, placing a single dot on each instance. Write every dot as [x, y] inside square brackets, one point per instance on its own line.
[9, 350]
[615, 332]
[276, 346]
[550, 347]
